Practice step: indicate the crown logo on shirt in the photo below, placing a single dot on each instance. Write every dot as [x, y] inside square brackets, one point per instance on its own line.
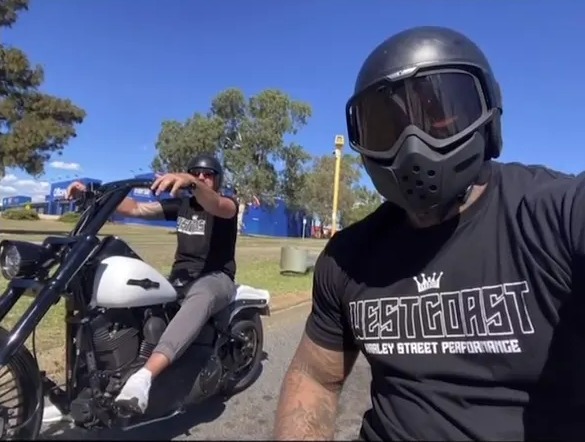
[428, 282]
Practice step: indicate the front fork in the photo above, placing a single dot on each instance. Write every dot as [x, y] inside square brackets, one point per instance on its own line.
[58, 396]
[9, 298]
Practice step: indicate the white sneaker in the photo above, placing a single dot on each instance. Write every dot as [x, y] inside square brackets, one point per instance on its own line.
[134, 394]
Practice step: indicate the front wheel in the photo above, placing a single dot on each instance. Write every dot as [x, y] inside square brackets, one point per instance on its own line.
[246, 356]
[21, 396]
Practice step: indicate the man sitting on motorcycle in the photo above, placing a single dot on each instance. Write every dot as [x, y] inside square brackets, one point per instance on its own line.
[206, 242]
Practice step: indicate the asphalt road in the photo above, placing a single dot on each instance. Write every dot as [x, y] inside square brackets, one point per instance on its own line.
[250, 414]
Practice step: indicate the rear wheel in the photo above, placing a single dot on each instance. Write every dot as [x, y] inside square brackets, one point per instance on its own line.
[21, 396]
[246, 355]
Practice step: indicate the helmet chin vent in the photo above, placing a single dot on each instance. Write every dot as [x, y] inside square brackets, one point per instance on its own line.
[417, 177]
[466, 163]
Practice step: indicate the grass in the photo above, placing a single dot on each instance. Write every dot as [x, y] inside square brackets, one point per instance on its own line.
[257, 265]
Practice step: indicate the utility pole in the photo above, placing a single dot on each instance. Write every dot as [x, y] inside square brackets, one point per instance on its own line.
[339, 142]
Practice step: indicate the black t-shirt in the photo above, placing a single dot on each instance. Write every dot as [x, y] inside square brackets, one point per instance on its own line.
[205, 243]
[474, 329]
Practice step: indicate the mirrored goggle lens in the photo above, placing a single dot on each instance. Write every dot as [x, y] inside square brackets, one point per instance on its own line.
[440, 104]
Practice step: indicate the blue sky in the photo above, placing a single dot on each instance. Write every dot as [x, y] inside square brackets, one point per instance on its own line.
[132, 64]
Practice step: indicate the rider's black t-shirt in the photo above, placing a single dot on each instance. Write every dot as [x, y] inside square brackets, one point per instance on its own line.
[474, 329]
[205, 243]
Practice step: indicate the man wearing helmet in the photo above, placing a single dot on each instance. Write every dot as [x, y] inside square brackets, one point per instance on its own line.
[464, 290]
[205, 257]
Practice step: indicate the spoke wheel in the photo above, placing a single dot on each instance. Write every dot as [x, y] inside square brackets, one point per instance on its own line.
[21, 399]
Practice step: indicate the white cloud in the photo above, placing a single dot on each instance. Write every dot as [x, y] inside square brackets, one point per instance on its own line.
[11, 185]
[64, 166]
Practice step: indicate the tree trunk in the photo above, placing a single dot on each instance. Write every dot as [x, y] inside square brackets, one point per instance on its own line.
[242, 209]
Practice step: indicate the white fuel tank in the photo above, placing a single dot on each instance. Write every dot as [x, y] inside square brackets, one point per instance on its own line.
[112, 290]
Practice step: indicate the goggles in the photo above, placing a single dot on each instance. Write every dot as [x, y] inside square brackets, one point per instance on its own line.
[439, 106]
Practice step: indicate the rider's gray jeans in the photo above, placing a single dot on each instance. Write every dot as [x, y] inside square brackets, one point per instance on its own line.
[207, 296]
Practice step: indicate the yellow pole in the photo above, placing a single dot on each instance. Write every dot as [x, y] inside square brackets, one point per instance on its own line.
[339, 142]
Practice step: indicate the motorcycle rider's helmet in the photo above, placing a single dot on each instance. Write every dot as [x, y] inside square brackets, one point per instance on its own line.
[207, 163]
[424, 117]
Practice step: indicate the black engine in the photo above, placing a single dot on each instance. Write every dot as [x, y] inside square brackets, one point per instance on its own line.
[116, 340]
[122, 339]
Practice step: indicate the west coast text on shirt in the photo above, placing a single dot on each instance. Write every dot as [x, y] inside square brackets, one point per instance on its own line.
[459, 321]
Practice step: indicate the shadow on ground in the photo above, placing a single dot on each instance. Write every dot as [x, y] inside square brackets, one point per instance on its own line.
[182, 425]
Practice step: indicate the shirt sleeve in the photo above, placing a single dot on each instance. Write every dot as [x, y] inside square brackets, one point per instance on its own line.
[171, 208]
[326, 324]
[235, 202]
[552, 219]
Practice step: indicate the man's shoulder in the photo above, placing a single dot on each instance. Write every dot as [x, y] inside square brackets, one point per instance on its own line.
[345, 252]
[541, 194]
[530, 172]
[545, 215]
[520, 181]
[359, 235]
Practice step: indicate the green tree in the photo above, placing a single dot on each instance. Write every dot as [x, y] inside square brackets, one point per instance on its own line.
[365, 202]
[318, 192]
[178, 142]
[254, 144]
[248, 135]
[33, 125]
[295, 175]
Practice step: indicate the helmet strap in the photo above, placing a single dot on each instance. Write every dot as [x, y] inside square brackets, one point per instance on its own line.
[464, 196]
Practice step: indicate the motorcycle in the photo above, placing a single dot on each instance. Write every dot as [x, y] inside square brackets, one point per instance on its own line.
[116, 308]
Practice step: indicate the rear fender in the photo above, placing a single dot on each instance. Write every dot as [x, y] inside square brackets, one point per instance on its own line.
[249, 300]
[249, 311]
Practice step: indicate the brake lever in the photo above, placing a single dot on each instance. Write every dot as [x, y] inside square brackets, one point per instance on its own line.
[190, 187]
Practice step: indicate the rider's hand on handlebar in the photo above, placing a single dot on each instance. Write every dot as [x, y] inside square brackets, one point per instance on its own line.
[75, 190]
[174, 182]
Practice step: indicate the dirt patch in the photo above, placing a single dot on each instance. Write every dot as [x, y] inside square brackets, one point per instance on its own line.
[52, 361]
[288, 300]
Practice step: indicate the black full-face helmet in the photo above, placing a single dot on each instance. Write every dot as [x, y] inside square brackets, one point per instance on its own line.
[425, 116]
[207, 163]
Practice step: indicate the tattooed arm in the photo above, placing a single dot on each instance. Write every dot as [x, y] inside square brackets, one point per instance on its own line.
[134, 209]
[166, 209]
[157, 210]
[310, 392]
[325, 356]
